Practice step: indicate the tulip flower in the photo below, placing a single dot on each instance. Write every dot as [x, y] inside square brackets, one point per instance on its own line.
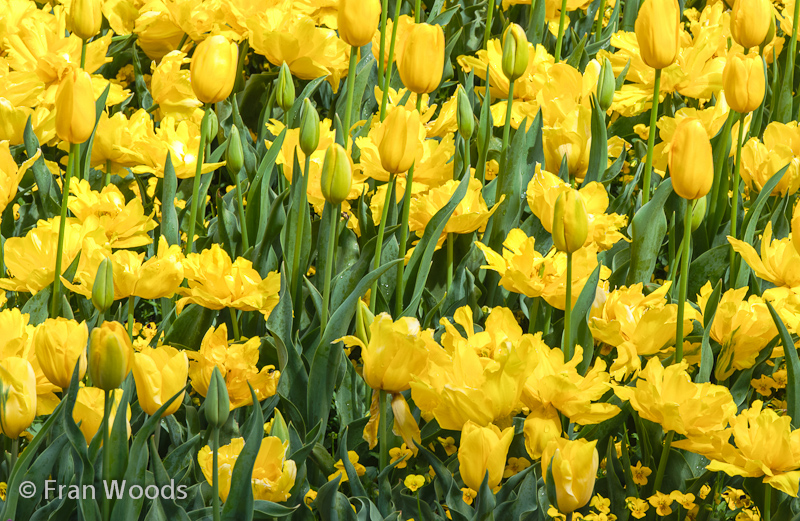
[743, 80]
[398, 140]
[750, 23]
[60, 345]
[18, 384]
[273, 475]
[213, 69]
[778, 259]
[89, 407]
[11, 174]
[358, 20]
[85, 18]
[110, 355]
[515, 52]
[75, 111]
[573, 464]
[657, 31]
[796, 229]
[285, 92]
[160, 373]
[483, 450]
[606, 86]
[421, 60]
[337, 175]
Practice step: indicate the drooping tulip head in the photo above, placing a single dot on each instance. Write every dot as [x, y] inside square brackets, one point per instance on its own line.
[691, 160]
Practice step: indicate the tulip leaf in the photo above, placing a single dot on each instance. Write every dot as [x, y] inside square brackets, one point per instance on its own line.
[36, 307]
[706, 355]
[140, 87]
[356, 487]
[536, 28]
[86, 148]
[275, 221]
[582, 306]
[710, 265]
[754, 212]
[648, 227]
[118, 439]
[169, 216]
[452, 494]
[38, 472]
[257, 195]
[176, 460]
[47, 191]
[521, 503]
[598, 153]
[167, 505]
[188, 330]
[270, 510]
[792, 368]
[782, 112]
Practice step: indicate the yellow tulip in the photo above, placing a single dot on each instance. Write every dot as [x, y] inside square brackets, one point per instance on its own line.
[515, 52]
[691, 160]
[60, 344]
[570, 222]
[75, 111]
[541, 427]
[421, 60]
[796, 228]
[337, 174]
[482, 450]
[18, 383]
[89, 407]
[213, 69]
[658, 29]
[11, 173]
[778, 260]
[273, 475]
[85, 18]
[358, 20]
[744, 82]
[160, 373]
[574, 467]
[398, 140]
[110, 355]
[750, 22]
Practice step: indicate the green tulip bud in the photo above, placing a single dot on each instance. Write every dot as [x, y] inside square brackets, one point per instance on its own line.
[217, 404]
[570, 222]
[606, 85]
[103, 289]
[364, 318]
[515, 52]
[309, 128]
[698, 212]
[210, 125]
[279, 428]
[464, 115]
[285, 93]
[234, 155]
[337, 175]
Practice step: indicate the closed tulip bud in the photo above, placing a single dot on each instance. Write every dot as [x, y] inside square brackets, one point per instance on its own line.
[606, 85]
[398, 140]
[279, 428]
[85, 18]
[657, 29]
[750, 21]
[464, 115]
[75, 112]
[698, 212]
[744, 82]
[358, 20]
[796, 228]
[364, 318]
[285, 93]
[210, 125]
[570, 222]
[60, 345]
[691, 161]
[234, 154]
[217, 405]
[213, 70]
[421, 62]
[103, 288]
[482, 450]
[515, 52]
[573, 464]
[309, 128]
[110, 355]
[337, 175]
[160, 374]
[18, 389]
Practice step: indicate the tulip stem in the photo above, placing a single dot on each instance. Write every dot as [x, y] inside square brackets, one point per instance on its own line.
[767, 502]
[379, 246]
[106, 451]
[598, 29]
[684, 281]
[326, 292]
[381, 57]
[418, 12]
[196, 185]
[62, 225]
[507, 126]
[215, 473]
[383, 429]
[14, 455]
[488, 30]
[561, 22]
[242, 220]
[351, 82]
[735, 199]
[449, 261]
[107, 177]
[130, 317]
[298, 242]
[388, 76]
[662, 464]
[533, 313]
[651, 139]
[568, 312]
[234, 324]
[83, 54]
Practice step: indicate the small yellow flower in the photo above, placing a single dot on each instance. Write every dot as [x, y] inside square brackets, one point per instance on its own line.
[685, 500]
[662, 503]
[402, 453]
[353, 457]
[553, 513]
[468, 495]
[601, 504]
[704, 490]
[763, 385]
[736, 498]
[638, 507]
[640, 474]
[3, 489]
[311, 495]
[515, 466]
[449, 444]
[779, 378]
[414, 481]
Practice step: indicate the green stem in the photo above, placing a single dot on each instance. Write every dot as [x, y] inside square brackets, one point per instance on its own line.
[14, 454]
[568, 312]
[383, 432]
[533, 312]
[183, 41]
[651, 139]
[767, 502]
[107, 403]
[548, 316]
[507, 126]
[56, 307]
[561, 22]
[326, 294]
[487, 31]
[598, 28]
[234, 324]
[449, 261]
[242, 220]
[107, 177]
[662, 464]
[684, 281]
[130, 317]
[215, 474]
[417, 11]
[387, 81]
[735, 199]
[301, 223]
[351, 81]
[196, 186]
[379, 246]
[83, 54]
[381, 58]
